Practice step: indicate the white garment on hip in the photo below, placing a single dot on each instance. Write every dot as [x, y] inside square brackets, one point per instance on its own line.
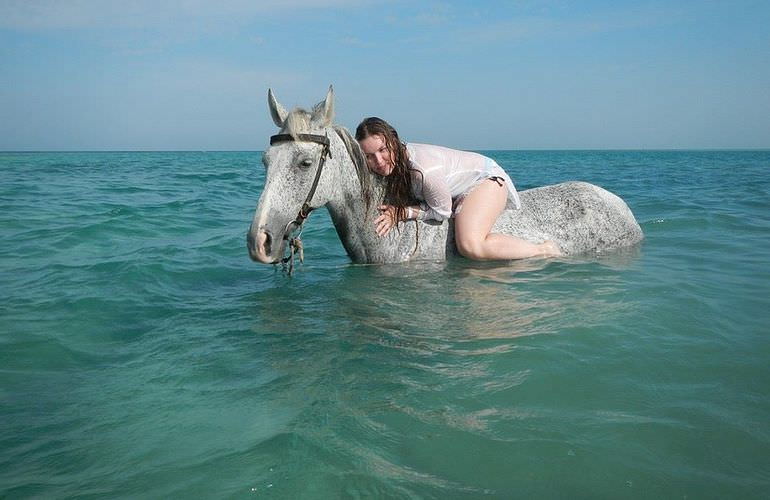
[442, 177]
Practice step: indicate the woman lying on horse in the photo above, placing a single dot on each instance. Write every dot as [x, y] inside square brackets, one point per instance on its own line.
[432, 182]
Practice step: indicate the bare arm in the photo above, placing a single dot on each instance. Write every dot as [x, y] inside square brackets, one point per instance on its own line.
[387, 218]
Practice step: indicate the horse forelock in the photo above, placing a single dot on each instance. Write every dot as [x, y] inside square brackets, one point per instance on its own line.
[297, 122]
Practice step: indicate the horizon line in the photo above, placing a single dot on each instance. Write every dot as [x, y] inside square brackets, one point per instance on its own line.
[4, 151]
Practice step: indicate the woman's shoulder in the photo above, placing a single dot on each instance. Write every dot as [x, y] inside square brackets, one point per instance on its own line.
[438, 151]
[426, 155]
[424, 148]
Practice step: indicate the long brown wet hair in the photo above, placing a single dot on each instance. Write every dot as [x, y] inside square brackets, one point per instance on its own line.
[398, 185]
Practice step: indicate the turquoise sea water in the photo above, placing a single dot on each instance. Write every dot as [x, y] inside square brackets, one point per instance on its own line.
[142, 354]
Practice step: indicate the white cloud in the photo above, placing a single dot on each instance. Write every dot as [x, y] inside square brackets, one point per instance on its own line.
[542, 27]
[137, 28]
[38, 15]
[355, 42]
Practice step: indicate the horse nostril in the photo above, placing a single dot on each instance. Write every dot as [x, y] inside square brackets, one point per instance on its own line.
[266, 241]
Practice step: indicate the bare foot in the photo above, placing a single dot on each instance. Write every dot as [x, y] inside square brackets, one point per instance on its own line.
[550, 249]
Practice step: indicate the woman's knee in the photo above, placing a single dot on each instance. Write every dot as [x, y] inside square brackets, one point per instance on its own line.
[470, 248]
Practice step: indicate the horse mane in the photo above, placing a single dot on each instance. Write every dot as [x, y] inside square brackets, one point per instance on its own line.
[355, 153]
[299, 121]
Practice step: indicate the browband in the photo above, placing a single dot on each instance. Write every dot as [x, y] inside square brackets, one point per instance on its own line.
[320, 139]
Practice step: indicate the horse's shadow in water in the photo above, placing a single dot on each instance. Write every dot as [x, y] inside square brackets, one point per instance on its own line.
[451, 300]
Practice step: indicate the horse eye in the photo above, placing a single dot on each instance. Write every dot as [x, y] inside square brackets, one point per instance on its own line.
[306, 163]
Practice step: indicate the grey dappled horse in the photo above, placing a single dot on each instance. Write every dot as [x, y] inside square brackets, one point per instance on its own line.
[313, 163]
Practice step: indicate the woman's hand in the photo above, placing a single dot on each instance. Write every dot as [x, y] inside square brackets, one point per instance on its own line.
[386, 220]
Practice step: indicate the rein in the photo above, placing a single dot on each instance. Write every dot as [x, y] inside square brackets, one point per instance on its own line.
[295, 244]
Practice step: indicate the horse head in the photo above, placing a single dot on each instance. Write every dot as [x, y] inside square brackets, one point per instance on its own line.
[294, 184]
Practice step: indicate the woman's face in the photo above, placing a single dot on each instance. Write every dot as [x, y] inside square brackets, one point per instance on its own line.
[378, 157]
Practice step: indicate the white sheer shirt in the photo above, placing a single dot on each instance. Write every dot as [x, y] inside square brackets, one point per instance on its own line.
[442, 177]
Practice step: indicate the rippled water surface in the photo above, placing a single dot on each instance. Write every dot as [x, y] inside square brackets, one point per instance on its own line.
[143, 354]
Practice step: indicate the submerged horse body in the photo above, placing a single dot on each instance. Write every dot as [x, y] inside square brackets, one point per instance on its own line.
[312, 163]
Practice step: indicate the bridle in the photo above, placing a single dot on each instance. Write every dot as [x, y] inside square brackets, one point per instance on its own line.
[323, 140]
[295, 244]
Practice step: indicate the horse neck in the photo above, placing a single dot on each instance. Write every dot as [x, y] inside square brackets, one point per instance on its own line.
[347, 206]
[347, 203]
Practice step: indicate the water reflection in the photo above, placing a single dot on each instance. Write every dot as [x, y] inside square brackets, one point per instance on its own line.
[420, 310]
[382, 362]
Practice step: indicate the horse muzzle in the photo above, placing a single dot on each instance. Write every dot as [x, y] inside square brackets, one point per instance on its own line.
[263, 246]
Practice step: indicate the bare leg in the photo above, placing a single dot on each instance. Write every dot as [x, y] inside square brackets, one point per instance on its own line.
[473, 224]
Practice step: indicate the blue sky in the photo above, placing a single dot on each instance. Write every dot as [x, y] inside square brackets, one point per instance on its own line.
[194, 74]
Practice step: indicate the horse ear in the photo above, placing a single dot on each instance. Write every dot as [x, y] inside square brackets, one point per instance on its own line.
[323, 112]
[276, 110]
